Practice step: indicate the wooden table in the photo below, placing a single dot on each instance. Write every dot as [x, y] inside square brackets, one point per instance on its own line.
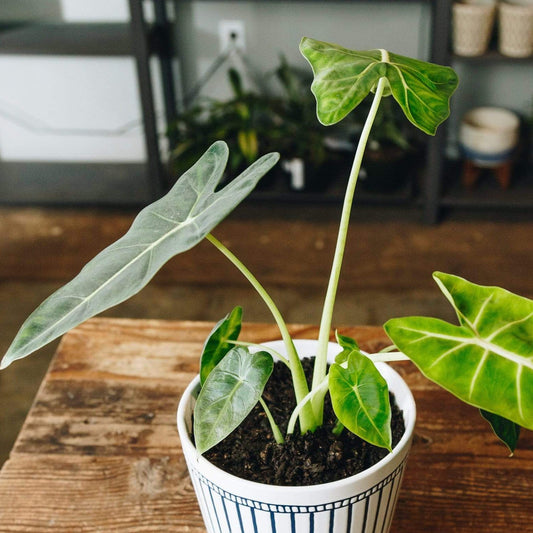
[99, 450]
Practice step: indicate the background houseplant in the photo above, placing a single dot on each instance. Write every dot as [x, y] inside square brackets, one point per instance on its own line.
[279, 117]
[486, 360]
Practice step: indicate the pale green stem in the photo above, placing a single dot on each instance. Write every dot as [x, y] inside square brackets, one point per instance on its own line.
[322, 389]
[307, 420]
[386, 357]
[272, 352]
[278, 437]
[390, 348]
[320, 368]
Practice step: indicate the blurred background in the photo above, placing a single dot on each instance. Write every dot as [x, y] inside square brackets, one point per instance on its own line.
[104, 104]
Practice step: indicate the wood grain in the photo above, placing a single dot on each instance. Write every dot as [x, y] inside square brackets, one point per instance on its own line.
[99, 450]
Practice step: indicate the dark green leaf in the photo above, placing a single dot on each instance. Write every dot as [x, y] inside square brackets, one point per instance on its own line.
[360, 399]
[228, 395]
[343, 78]
[507, 431]
[217, 346]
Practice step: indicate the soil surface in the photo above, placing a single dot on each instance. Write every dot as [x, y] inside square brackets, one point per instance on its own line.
[250, 452]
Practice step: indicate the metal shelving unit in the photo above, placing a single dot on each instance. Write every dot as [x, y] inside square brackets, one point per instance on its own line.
[487, 194]
[137, 39]
[142, 40]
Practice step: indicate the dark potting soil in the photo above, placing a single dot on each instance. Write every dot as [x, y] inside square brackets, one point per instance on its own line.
[250, 452]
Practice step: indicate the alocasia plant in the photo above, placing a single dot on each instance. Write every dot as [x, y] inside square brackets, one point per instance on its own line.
[487, 360]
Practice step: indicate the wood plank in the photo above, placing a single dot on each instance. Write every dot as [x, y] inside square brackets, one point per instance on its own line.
[99, 450]
[50, 493]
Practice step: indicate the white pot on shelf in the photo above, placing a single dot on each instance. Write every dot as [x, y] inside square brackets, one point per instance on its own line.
[359, 504]
[515, 21]
[489, 135]
[472, 25]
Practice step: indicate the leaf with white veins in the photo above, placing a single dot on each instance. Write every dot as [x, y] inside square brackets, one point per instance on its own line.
[487, 361]
[360, 399]
[229, 393]
[343, 78]
[171, 225]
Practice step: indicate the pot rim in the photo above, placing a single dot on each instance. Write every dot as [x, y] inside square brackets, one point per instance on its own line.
[397, 385]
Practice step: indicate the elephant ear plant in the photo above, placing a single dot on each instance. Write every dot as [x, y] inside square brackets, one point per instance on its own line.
[486, 360]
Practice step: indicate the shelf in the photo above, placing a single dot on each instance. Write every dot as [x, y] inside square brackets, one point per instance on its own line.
[492, 56]
[278, 190]
[487, 194]
[101, 39]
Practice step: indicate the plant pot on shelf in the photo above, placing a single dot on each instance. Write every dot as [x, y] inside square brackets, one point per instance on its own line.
[488, 138]
[358, 504]
[515, 20]
[472, 24]
[489, 135]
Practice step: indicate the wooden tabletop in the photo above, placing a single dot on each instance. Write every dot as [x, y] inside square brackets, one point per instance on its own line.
[99, 450]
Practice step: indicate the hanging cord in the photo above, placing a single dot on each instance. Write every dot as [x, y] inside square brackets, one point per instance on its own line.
[31, 123]
[220, 60]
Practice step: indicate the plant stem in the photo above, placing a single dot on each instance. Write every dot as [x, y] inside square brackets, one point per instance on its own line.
[320, 368]
[307, 419]
[278, 437]
[306, 402]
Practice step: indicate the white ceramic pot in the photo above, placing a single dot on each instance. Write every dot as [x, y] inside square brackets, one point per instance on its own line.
[472, 24]
[515, 19]
[488, 135]
[362, 503]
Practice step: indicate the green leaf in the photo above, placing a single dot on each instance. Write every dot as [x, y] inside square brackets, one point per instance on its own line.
[228, 395]
[487, 361]
[360, 399]
[217, 346]
[507, 431]
[171, 225]
[343, 78]
[347, 344]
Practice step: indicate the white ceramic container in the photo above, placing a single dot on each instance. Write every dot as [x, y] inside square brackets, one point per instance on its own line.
[515, 19]
[362, 503]
[472, 24]
[488, 135]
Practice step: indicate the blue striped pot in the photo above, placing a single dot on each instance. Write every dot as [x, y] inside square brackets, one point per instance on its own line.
[363, 503]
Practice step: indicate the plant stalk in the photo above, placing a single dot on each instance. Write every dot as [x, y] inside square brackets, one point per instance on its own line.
[307, 419]
[278, 437]
[320, 367]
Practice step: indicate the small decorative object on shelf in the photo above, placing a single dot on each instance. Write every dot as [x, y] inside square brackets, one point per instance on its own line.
[488, 138]
[515, 20]
[472, 24]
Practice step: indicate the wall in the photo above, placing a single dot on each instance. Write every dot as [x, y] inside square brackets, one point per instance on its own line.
[272, 28]
[70, 108]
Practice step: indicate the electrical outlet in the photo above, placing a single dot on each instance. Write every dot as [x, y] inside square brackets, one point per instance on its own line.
[231, 31]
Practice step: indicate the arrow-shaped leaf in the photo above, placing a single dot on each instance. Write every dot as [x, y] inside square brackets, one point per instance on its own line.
[487, 361]
[228, 395]
[343, 78]
[360, 399]
[171, 225]
[217, 346]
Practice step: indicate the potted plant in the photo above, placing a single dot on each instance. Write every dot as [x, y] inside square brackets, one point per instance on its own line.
[486, 360]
